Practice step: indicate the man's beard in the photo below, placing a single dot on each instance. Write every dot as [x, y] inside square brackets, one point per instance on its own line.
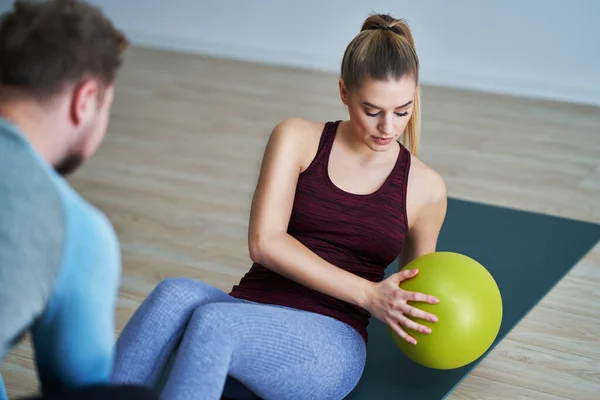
[73, 159]
[69, 164]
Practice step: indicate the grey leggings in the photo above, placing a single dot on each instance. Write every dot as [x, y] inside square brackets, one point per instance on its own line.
[219, 344]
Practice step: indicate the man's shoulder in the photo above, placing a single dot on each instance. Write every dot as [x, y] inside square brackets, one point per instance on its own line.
[92, 255]
[31, 211]
[34, 196]
[41, 213]
[87, 227]
[32, 219]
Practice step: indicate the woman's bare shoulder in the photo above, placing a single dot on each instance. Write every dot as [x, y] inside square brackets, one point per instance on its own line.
[427, 193]
[302, 135]
[429, 184]
[299, 127]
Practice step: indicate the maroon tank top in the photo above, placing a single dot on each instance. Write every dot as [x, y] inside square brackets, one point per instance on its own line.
[362, 234]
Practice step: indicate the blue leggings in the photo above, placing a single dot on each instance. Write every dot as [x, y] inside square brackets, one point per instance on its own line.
[216, 342]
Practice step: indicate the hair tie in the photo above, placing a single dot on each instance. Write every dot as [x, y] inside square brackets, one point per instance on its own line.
[385, 28]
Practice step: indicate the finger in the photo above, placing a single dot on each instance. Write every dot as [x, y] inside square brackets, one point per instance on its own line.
[402, 333]
[409, 323]
[421, 297]
[406, 274]
[418, 313]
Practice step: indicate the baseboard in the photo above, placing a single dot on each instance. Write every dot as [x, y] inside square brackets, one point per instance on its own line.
[514, 86]
[257, 54]
[470, 80]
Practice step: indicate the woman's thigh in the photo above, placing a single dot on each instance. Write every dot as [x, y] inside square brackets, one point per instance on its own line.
[282, 353]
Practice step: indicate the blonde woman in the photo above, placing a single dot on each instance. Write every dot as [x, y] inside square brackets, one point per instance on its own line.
[335, 204]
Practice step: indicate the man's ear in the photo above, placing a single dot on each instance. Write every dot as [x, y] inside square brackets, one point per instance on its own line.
[84, 102]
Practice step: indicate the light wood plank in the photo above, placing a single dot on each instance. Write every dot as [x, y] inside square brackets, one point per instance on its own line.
[178, 168]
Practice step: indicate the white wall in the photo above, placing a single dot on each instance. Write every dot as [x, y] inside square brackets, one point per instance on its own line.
[5, 5]
[540, 48]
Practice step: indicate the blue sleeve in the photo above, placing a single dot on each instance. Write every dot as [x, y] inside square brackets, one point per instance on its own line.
[74, 338]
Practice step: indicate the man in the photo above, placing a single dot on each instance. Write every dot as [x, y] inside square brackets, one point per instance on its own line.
[59, 256]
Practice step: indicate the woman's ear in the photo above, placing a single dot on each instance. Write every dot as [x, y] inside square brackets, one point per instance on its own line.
[343, 92]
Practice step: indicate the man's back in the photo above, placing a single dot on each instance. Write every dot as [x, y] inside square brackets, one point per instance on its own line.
[59, 269]
[32, 235]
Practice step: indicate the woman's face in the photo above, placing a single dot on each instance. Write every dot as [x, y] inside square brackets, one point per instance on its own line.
[380, 110]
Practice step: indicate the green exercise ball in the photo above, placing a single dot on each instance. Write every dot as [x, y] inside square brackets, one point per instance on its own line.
[469, 311]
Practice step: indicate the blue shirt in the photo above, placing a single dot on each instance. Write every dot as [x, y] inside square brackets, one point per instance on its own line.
[60, 268]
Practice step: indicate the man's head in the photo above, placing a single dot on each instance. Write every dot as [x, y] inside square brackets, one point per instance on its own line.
[62, 56]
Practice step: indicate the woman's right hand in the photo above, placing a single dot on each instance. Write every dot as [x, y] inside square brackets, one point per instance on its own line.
[388, 302]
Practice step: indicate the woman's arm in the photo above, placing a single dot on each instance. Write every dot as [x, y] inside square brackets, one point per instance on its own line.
[269, 243]
[427, 204]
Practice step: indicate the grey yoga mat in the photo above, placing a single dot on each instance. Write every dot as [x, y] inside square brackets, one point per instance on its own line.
[527, 253]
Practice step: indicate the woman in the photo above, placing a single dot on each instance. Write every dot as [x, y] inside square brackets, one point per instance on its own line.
[335, 204]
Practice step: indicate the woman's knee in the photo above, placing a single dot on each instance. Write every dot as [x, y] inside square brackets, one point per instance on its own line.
[328, 378]
[180, 291]
[211, 321]
[340, 358]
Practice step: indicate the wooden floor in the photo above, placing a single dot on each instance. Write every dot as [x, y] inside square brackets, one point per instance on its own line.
[178, 168]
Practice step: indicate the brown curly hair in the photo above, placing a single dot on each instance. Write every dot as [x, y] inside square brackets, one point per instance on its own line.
[47, 45]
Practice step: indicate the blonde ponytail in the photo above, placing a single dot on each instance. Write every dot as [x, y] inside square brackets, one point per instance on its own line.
[412, 134]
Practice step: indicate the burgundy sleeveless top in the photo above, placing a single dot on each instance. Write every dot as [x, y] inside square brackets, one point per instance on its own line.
[362, 234]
